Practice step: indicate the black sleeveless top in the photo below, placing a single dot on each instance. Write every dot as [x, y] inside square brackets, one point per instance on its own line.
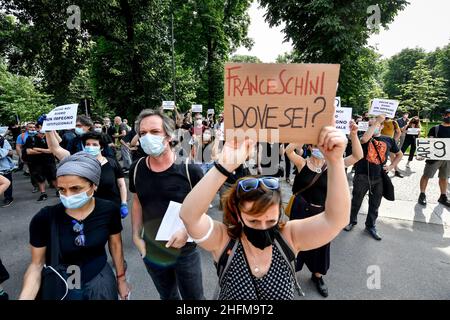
[317, 193]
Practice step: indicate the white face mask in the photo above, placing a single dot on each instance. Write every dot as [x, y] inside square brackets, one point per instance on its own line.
[198, 122]
[99, 130]
[152, 145]
[206, 137]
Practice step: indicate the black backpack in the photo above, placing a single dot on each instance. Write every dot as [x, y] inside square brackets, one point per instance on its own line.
[228, 254]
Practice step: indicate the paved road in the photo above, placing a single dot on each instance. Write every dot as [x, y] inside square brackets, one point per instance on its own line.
[412, 260]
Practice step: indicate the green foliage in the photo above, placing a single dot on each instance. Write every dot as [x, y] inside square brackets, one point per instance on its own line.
[244, 59]
[423, 92]
[18, 95]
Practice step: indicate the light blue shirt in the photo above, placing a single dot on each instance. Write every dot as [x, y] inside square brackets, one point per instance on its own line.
[6, 163]
[19, 138]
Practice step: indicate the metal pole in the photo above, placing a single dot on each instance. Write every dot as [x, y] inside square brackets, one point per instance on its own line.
[173, 62]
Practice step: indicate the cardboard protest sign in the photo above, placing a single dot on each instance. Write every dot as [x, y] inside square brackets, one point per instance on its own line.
[382, 106]
[61, 118]
[168, 105]
[279, 102]
[343, 116]
[197, 108]
[210, 111]
[433, 148]
[413, 131]
[337, 102]
[363, 126]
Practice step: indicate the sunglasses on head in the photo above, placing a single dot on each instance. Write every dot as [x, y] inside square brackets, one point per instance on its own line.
[78, 227]
[249, 184]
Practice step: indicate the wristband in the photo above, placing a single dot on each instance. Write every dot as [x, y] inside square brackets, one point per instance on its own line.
[121, 276]
[222, 170]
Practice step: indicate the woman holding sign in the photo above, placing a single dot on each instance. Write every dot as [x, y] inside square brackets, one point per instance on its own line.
[412, 131]
[309, 199]
[253, 248]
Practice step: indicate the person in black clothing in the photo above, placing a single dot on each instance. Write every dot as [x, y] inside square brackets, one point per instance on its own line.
[108, 150]
[4, 275]
[112, 185]
[368, 173]
[310, 201]
[410, 138]
[40, 161]
[155, 181]
[83, 125]
[85, 225]
[431, 166]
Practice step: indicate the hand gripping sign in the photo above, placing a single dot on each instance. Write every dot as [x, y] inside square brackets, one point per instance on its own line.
[284, 102]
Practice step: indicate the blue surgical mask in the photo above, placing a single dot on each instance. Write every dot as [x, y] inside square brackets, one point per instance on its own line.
[152, 145]
[92, 150]
[317, 154]
[76, 201]
[32, 133]
[79, 131]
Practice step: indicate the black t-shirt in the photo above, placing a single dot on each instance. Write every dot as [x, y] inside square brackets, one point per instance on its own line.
[108, 188]
[98, 226]
[36, 142]
[370, 164]
[442, 132]
[155, 190]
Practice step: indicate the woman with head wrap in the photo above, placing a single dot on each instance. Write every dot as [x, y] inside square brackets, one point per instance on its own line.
[112, 184]
[84, 224]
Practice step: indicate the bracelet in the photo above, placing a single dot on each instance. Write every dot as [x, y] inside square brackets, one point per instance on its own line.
[121, 276]
[222, 170]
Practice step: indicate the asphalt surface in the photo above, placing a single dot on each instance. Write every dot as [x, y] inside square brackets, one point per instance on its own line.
[411, 262]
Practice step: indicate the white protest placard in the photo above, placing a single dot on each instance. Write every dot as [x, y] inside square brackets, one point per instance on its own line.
[3, 131]
[363, 126]
[433, 148]
[61, 118]
[382, 106]
[343, 116]
[168, 105]
[337, 102]
[210, 111]
[197, 108]
[413, 131]
[171, 222]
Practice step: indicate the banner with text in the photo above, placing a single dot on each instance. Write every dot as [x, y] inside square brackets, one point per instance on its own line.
[279, 102]
[343, 116]
[386, 107]
[433, 148]
[61, 118]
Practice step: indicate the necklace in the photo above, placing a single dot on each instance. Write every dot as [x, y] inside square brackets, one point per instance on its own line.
[315, 168]
[256, 269]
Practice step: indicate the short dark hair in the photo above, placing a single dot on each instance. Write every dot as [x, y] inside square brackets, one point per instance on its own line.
[94, 136]
[85, 121]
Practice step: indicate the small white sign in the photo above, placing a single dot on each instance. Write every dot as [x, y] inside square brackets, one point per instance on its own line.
[337, 102]
[168, 105]
[363, 126]
[210, 111]
[413, 131]
[171, 222]
[61, 118]
[197, 108]
[3, 131]
[433, 148]
[343, 116]
[386, 107]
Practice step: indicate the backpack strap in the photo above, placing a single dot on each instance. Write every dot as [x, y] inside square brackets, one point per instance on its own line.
[187, 172]
[289, 256]
[224, 262]
[135, 171]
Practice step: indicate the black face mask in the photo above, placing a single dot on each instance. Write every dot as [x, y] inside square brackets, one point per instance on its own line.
[447, 120]
[260, 238]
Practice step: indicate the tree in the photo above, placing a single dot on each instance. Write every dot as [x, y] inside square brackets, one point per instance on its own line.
[423, 92]
[244, 59]
[18, 95]
[330, 31]
[399, 70]
[206, 33]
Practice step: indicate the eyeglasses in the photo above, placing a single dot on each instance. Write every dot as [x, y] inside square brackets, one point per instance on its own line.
[78, 227]
[249, 184]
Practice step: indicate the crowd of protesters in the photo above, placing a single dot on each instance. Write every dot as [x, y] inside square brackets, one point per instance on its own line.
[185, 158]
